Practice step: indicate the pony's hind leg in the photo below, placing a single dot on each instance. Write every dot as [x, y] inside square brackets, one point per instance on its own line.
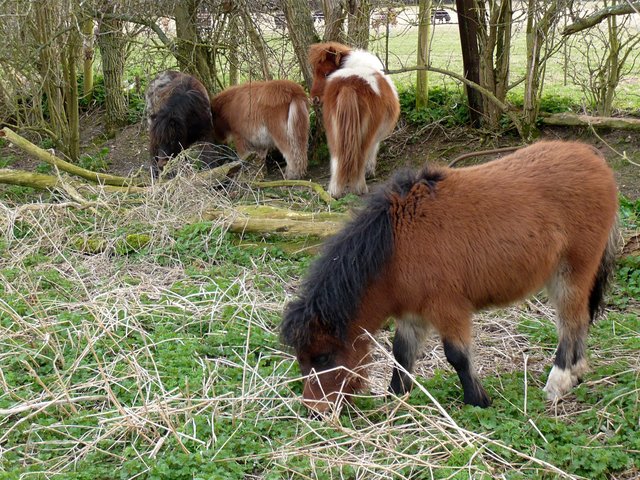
[572, 321]
[410, 333]
[371, 157]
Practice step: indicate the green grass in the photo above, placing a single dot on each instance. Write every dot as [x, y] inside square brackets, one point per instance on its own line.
[163, 362]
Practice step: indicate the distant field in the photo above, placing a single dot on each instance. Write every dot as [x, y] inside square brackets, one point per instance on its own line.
[446, 54]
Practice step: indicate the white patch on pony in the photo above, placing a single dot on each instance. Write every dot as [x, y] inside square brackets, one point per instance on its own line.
[361, 64]
[368, 74]
[559, 383]
[362, 58]
[261, 138]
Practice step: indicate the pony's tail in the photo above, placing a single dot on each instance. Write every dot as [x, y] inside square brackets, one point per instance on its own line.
[604, 274]
[349, 139]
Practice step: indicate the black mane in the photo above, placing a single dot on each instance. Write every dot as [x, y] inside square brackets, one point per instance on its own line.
[333, 288]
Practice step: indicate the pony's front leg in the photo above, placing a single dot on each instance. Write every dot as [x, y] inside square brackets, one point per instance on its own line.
[459, 357]
[410, 333]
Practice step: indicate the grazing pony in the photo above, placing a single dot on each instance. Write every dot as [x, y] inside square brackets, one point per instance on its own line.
[360, 108]
[178, 114]
[259, 116]
[433, 247]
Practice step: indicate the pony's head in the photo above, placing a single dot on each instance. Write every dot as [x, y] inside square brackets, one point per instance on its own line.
[325, 58]
[333, 366]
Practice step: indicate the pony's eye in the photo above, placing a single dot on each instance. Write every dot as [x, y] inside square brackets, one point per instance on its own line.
[321, 360]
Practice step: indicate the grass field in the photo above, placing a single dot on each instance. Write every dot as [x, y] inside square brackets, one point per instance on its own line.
[161, 360]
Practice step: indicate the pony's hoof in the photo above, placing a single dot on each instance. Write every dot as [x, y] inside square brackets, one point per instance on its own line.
[559, 383]
[480, 399]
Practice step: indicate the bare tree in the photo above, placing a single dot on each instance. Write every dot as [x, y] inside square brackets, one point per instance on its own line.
[542, 20]
[605, 55]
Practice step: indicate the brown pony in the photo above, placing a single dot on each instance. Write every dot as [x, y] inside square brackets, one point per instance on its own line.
[178, 114]
[360, 109]
[259, 116]
[433, 247]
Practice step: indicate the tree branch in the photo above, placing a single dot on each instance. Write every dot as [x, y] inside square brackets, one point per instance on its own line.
[490, 96]
[600, 15]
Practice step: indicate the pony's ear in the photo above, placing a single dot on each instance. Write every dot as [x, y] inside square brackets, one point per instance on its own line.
[337, 58]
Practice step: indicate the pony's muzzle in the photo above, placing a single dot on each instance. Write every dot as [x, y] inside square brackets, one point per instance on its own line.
[315, 101]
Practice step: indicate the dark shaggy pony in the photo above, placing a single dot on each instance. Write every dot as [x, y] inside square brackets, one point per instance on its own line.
[431, 248]
[179, 114]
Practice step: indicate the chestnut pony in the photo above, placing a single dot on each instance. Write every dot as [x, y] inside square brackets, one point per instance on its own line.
[178, 114]
[433, 247]
[360, 108]
[259, 116]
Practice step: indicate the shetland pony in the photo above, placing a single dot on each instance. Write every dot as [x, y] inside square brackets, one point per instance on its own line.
[433, 247]
[178, 115]
[259, 116]
[360, 108]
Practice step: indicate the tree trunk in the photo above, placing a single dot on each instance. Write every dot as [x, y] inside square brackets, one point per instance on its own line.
[71, 53]
[49, 66]
[112, 44]
[334, 15]
[424, 34]
[234, 39]
[613, 68]
[301, 33]
[193, 55]
[468, 26]
[540, 39]
[258, 43]
[494, 43]
[359, 17]
[573, 120]
[87, 63]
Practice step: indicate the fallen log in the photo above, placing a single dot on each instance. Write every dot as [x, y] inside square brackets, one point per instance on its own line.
[270, 220]
[573, 120]
[51, 159]
[41, 181]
